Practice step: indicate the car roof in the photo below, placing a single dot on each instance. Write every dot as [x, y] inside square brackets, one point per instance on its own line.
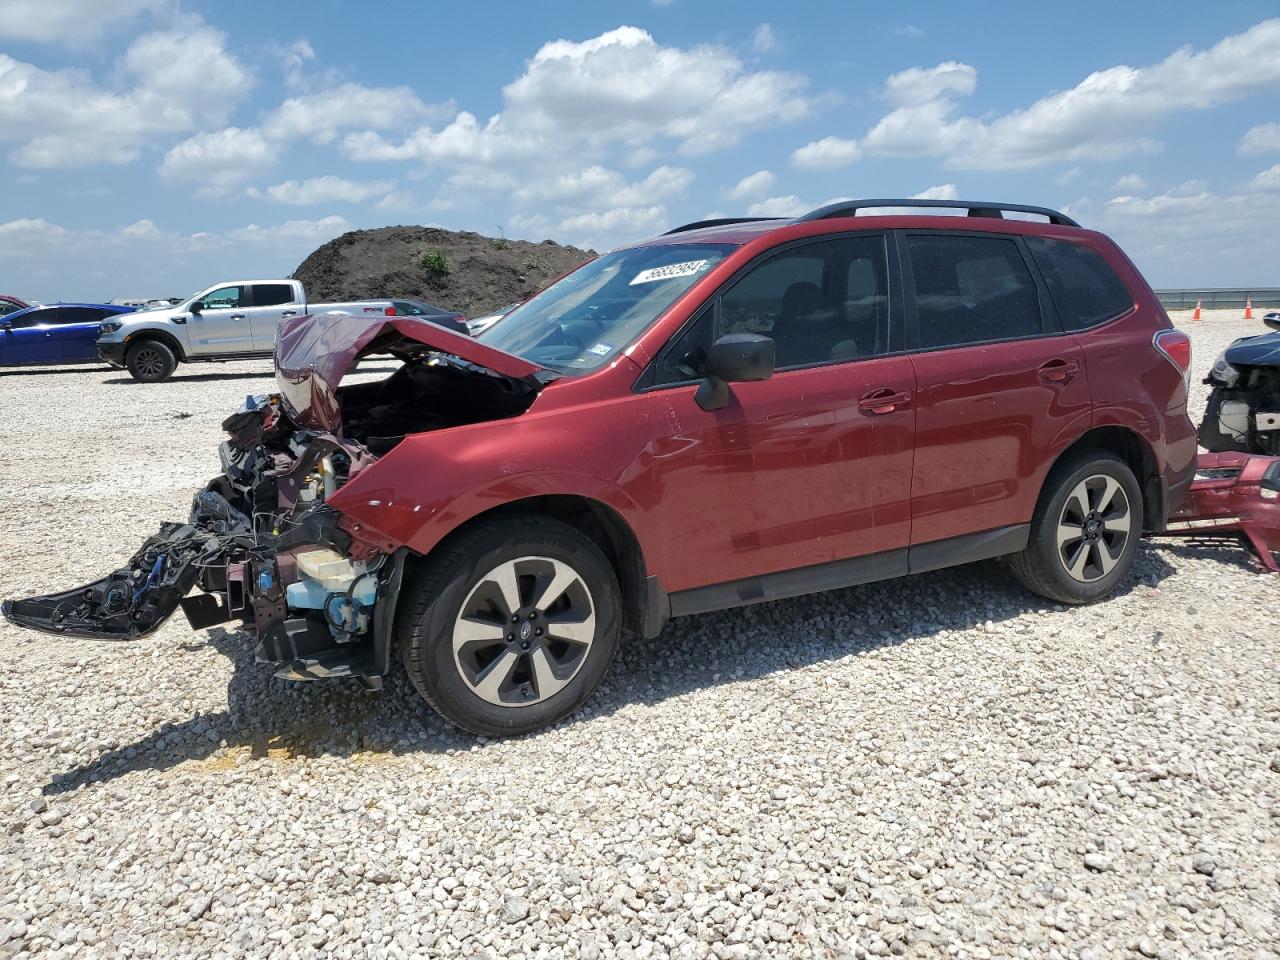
[909, 213]
[114, 307]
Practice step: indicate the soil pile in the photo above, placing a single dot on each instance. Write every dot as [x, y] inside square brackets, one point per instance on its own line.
[458, 271]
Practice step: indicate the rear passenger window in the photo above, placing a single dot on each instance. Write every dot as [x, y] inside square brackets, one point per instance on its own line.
[972, 290]
[79, 315]
[272, 294]
[1085, 290]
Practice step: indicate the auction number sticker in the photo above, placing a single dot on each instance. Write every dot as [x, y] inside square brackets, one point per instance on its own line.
[670, 271]
[601, 349]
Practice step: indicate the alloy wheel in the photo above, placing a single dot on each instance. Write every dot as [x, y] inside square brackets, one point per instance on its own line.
[148, 363]
[1094, 528]
[524, 631]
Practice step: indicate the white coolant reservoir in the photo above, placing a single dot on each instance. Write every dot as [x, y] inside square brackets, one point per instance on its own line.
[328, 568]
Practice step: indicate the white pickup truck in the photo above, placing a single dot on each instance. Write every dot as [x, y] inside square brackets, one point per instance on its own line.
[232, 320]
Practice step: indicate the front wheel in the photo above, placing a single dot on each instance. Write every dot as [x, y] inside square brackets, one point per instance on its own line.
[512, 626]
[150, 361]
[1084, 536]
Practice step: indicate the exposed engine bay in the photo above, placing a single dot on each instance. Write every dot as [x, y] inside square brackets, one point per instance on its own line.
[261, 543]
[1243, 415]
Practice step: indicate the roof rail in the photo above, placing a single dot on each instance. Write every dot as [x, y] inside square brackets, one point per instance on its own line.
[976, 208]
[718, 222]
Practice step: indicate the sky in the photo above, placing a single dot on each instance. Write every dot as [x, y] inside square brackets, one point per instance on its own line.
[155, 147]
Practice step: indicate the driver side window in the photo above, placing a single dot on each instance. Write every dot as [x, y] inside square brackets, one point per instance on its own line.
[222, 298]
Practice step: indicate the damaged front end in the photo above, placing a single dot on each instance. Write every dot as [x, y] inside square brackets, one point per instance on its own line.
[262, 543]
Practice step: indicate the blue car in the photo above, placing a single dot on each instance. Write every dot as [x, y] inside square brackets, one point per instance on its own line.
[54, 333]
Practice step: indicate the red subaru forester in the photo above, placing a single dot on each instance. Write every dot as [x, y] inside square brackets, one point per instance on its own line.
[737, 411]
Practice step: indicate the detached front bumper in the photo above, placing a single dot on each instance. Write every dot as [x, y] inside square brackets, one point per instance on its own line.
[262, 546]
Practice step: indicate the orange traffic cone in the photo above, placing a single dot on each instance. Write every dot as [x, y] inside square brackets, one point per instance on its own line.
[1248, 308]
[1196, 315]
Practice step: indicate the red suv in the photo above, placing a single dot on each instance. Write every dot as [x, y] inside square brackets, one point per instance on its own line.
[734, 412]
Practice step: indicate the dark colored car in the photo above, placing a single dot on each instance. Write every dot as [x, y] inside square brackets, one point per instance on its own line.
[1243, 413]
[10, 304]
[54, 333]
[734, 412]
[418, 308]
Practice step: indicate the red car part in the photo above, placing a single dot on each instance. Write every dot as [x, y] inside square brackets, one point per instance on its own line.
[1235, 496]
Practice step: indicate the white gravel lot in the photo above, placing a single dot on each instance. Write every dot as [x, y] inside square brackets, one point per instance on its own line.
[937, 766]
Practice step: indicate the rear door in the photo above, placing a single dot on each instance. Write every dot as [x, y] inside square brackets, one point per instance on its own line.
[28, 338]
[1000, 388]
[223, 325]
[76, 334]
[272, 302]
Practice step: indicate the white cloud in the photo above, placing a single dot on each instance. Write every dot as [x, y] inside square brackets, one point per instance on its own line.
[1067, 176]
[1268, 179]
[216, 162]
[72, 22]
[320, 116]
[619, 88]
[142, 257]
[1264, 138]
[181, 79]
[764, 39]
[600, 187]
[752, 186]
[788, 206]
[1103, 116]
[326, 189]
[908, 30]
[826, 154]
[921, 85]
[943, 191]
[631, 223]
[1130, 183]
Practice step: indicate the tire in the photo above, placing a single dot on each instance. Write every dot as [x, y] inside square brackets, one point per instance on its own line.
[487, 674]
[150, 361]
[1081, 568]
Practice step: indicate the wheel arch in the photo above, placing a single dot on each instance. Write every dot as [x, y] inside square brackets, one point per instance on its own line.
[1134, 450]
[643, 600]
[164, 336]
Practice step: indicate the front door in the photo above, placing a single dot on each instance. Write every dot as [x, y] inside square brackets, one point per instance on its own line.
[810, 466]
[998, 387]
[28, 338]
[223, 325]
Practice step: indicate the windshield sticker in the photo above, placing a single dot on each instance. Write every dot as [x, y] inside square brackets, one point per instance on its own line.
[670, 271]
[602, 349]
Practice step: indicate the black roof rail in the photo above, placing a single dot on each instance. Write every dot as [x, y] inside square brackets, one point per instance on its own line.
[718, 222]
[976, 208]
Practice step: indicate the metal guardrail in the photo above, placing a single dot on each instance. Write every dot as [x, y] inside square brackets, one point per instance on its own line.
[1220, 299]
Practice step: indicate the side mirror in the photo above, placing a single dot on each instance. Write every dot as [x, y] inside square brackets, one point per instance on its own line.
[734, 358]
[197, 306]
[1272, 320]
[6, 326]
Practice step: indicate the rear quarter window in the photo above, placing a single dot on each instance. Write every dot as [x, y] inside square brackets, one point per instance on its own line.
[272, 294]
[1084, 288]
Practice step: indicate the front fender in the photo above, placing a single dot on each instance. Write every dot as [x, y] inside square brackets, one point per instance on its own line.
[432, 483]
[172, 332]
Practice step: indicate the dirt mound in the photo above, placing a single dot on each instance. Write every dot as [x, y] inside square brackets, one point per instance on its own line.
[459, 271]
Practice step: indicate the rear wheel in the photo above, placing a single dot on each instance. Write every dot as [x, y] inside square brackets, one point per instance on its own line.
[1084, 536]
[150, 361]
[512, 626]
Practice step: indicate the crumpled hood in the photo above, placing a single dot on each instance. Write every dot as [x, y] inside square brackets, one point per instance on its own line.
[1259, 351]
[314, 352]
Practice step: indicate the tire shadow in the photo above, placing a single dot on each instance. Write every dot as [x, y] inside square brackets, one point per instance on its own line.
[266, 716]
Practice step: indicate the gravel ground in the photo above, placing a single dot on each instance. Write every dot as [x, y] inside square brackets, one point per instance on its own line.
[942, 765]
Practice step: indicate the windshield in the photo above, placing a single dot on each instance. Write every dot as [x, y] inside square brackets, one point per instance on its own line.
[586, 318]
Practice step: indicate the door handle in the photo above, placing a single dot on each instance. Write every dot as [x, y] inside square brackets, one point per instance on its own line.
[237, 316]
[1059, 371]
[289, 313]
[882, 401]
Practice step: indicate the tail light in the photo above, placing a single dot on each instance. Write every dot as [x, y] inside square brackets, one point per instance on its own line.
[1175, 346]
[390, 311]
